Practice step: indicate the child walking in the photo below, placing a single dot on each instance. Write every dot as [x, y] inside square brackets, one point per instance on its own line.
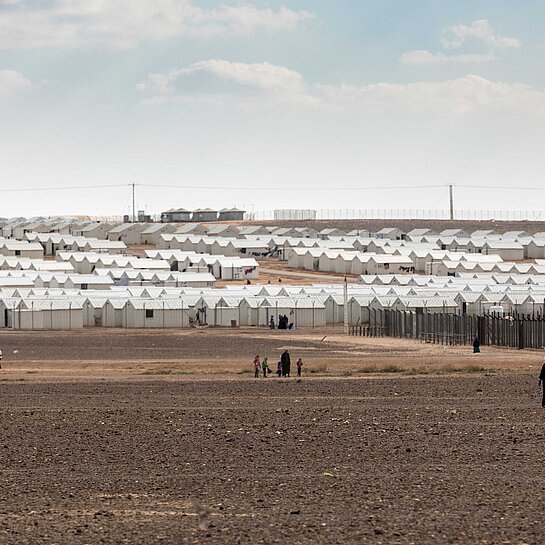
[257, 366]
[265, 367]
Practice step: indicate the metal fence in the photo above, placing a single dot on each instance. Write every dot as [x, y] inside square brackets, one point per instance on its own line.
[517, 331]
[407, 214]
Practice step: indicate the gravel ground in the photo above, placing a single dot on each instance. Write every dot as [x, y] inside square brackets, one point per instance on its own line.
[194, 344]
[126, 345]
[393, 460]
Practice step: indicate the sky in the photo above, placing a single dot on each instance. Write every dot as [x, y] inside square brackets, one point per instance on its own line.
[321, 104]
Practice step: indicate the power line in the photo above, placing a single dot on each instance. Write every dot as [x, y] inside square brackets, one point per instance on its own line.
[277, 188]
[24, 189]
[212, 188]
[361, 188]
[500, 187]
[274, 188]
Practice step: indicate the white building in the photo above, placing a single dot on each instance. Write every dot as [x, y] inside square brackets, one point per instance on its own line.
[390, 264]
[235, 268]
[128, 233]
[152, 233]
[21, 248]
[508, 250]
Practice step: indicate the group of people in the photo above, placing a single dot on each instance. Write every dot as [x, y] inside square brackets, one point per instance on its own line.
[283, 367]
[283, 322]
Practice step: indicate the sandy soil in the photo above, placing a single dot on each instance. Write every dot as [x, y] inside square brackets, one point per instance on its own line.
[274, 270]
[216, 353]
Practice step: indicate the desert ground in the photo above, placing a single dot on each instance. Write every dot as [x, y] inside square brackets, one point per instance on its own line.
[166, 437]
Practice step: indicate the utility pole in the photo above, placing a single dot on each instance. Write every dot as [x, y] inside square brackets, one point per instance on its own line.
[133, 205]
[345, 294]
[451, 198]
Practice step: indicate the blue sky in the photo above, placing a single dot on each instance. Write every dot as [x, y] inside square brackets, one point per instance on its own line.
[273, 104]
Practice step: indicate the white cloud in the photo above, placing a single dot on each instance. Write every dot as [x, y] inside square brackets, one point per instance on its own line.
[263, 76]
[13, 82]
[457, 36]
[247, 19]
[461, 96]
[267, 85]
[427, 58]
[123, 24]
[248, 84]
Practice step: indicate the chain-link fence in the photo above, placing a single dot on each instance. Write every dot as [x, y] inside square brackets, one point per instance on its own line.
[517, 331]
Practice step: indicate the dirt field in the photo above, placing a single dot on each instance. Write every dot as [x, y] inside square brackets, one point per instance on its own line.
[274, 271]
[374, 225]
[164, 437]
[215, 353]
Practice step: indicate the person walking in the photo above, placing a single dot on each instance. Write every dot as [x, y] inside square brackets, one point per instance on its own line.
[279, 369]
[542, 382]
[265, 367]
[476, 345]
[257, 366]
[299, 367]
[286, 363]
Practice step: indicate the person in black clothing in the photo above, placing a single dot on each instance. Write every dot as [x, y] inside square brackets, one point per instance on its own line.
[542, 381]
[476, 345]
[286, 363]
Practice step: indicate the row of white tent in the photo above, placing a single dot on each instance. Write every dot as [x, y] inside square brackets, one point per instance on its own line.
[265, 245]
[18, 227]
[86, 255]
[215, 246]
[509, 249]
[53, 243]
[36, 245]
[88, 263]
[104, 279]
[222, 267]
[305, 306]
[455, 268]
[357, 262]
[148, 233]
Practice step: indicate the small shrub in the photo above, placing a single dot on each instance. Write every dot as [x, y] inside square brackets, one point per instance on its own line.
[161, 371]
[471, 369]
[318, 369]
[370, 369]
[367, 369]
[391, 369]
